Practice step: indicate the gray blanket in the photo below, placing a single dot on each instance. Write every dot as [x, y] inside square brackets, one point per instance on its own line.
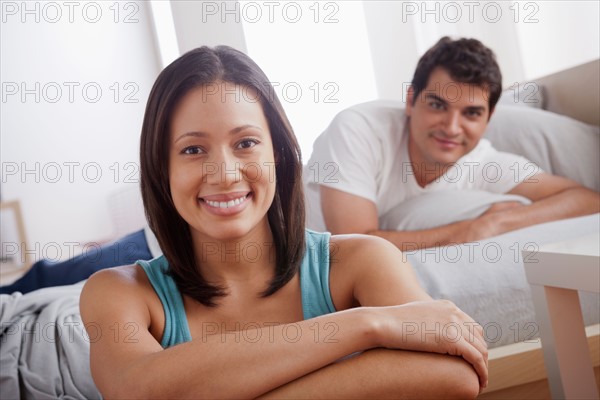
[44, 348]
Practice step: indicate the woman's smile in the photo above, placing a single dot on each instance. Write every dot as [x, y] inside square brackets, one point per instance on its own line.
[225, 204]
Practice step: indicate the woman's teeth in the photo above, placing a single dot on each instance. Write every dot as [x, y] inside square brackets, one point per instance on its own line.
[226, 204]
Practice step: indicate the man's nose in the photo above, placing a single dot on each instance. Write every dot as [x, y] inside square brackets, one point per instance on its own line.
[453, 124]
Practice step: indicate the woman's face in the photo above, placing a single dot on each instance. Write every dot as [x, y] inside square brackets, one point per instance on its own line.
[221, 161]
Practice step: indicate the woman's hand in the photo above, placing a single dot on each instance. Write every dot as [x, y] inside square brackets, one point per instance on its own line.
[436, 326]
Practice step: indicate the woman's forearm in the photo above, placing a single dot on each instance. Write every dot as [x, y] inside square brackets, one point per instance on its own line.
[384, 373]
[245, 363]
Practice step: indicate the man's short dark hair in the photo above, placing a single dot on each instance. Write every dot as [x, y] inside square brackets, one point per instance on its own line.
[466, 60]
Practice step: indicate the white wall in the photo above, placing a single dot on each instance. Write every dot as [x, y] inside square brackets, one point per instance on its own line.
[531, 39]
[66, 142]
[317, 57]
[559, 35]
[47, 136]
[207, 23]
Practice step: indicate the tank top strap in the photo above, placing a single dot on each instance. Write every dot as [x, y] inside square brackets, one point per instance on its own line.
[314, 276]
[176, 327]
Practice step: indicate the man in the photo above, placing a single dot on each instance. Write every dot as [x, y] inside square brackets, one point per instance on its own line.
[375, 156]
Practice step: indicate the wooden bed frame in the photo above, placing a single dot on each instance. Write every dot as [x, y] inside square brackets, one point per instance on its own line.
[517, 371]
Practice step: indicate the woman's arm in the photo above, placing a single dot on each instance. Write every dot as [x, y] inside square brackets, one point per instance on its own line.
[377, 275]
[386, 374]
[222, 366]
[113, 303]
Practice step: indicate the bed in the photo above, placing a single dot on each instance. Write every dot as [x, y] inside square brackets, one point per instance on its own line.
[45, 348]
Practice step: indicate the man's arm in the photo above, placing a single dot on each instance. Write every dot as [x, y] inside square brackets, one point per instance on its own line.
[553, 198]
[347, 213]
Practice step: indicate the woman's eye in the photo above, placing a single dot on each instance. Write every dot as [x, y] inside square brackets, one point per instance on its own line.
[247, 143]
[193, 150]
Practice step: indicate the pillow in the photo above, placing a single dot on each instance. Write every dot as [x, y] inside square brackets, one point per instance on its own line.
[442, 207]
[558, 144]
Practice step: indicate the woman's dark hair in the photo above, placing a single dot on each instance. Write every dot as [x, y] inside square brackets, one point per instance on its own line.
[466, 61]
[203, 66]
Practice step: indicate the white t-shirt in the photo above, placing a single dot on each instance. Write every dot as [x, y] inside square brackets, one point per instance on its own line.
[364, 152]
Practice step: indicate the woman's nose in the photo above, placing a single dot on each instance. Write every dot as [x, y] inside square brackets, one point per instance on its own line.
[222, 169]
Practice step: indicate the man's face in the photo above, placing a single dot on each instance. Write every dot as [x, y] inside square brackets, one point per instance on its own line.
[446, 122]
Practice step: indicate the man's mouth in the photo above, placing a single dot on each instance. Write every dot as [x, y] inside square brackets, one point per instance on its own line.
[446, 142]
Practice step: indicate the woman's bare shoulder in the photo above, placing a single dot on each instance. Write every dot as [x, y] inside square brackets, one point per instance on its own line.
[351, 258]
[130, 276]
[355, 249]
[120, 290]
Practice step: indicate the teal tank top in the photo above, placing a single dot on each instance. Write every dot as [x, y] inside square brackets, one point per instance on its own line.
[314, 286]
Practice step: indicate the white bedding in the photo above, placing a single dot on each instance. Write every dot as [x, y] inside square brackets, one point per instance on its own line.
[442, 207]
[486, 279]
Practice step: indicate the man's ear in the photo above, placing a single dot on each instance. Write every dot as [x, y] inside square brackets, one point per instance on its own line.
[410, 95]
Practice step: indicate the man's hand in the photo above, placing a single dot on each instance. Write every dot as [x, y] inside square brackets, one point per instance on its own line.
[489, 223]
[502, 206]
[485, 226]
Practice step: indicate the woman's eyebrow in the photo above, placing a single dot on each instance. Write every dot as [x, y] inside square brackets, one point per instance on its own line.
[234, 131]
[193, 133]
[239, 129]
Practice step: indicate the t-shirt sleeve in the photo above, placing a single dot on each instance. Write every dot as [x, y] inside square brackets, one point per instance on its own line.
[500, 172]
[347, 156]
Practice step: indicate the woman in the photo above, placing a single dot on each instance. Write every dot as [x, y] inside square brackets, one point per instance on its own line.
[249, 303]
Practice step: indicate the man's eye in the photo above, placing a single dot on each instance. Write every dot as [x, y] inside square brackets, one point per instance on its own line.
[192, 150]
[436, 105]
[473, 113]
[247, 143]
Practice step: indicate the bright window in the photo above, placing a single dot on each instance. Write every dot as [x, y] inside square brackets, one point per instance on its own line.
[316, 54]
